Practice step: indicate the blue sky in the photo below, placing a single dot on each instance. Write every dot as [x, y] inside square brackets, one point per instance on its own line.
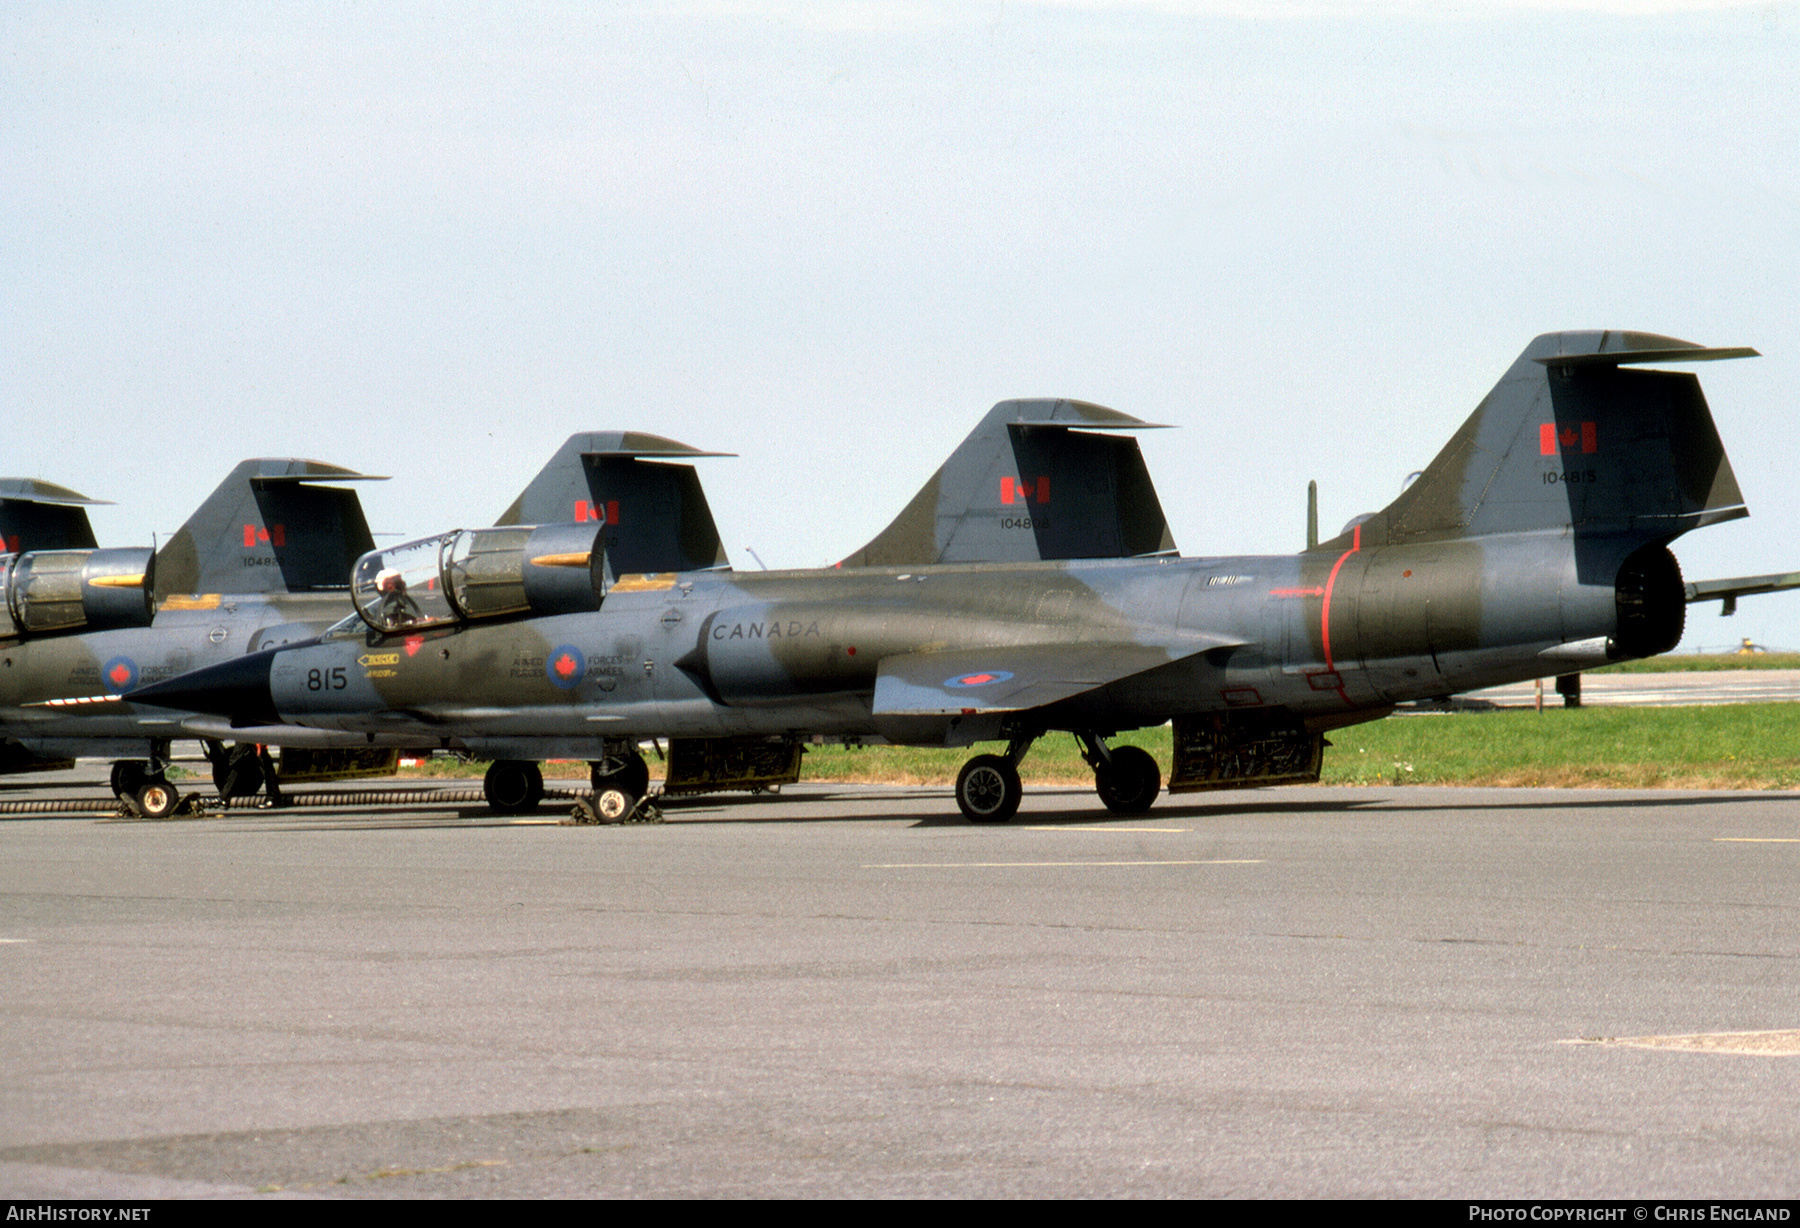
[432, 240]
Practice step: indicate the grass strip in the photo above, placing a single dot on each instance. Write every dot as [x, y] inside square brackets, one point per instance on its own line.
[1708, 663]
[1727, 746]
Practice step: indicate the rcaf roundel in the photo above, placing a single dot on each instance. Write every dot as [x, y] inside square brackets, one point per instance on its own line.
[978, 678]
[566, 667]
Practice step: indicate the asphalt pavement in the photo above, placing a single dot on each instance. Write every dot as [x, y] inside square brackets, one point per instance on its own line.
[1673, 689]
[848, 991]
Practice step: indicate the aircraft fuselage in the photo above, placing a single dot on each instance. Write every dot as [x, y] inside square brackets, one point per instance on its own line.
[60, 694]
[1330, 636]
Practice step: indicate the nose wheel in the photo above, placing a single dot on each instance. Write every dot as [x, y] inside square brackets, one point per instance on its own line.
[626, 773]
[143, 786]
[128, 776]
[156, 798]
[237, 770]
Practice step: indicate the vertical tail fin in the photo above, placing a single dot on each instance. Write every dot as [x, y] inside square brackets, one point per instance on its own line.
[1569, 439]
[38, 515]
[656, 514]
[1025, 486]
[269, 528]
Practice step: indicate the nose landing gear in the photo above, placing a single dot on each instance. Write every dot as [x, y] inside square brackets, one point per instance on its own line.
[624, 771]
[144, 786]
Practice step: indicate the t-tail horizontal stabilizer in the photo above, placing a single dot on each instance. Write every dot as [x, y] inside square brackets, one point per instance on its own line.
[1728, 591]
[1571, 439]
[269, 527]
[656, 515]
[1026, 486]
[38, 515]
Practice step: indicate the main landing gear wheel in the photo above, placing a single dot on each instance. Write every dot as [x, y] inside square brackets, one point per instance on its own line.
[988, 789]
[1129, 782]
[513, 786]
[128, 776]
[627, 774]
[238, 772]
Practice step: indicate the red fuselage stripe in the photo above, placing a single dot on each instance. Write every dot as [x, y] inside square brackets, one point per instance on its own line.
[1325, 606]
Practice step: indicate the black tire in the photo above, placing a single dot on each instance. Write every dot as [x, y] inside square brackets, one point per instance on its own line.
[157, 798]
[633, 778]
[242, 773]
[513, 786]
[219, 758]
[1130, 782]
[128, 776]
[988, 789]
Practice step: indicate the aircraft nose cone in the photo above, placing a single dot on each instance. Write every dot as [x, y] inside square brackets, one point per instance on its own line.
[238, 689]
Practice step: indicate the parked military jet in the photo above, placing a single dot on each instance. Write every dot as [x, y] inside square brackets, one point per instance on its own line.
[991, 501]
[621, 485]
[1536, 543]
[1727, 592]
[260, 563]
[38, 515]
[264, 561]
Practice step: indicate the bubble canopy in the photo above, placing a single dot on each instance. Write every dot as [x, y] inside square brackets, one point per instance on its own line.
[480, 573]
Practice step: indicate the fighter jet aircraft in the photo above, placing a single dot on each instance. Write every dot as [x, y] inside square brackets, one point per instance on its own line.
[1536, 543]
[264, 561]
[261, 562]
[991, 502]
[624, 485]
[37, 515]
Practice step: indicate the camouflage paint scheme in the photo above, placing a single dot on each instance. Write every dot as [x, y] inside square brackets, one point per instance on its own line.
[654, 513]
[1534, 544]
[261, 562]
[38, 515]
[1026, 486]
[265, 562]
